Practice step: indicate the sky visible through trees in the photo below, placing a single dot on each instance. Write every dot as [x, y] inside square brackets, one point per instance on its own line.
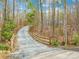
[36, 3]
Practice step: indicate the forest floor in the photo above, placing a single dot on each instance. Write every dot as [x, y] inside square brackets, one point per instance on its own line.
[4, 54]
[28, 48]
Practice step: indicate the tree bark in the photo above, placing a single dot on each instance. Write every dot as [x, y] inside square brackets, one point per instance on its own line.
[14, 9]
[65, 23]
[53, 18]
[5, 9]
[41, 12]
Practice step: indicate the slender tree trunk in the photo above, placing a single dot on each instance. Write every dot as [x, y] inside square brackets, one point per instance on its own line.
[26, 6]
[49, 17]
[41, 12]
[65, 23]
[57, 17]
[5, 10]
[53, 18]
[14, 9]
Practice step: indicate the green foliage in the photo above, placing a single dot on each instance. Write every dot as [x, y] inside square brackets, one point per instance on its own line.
[55, 43]
[9, 25]
[76, 39]
[30, 5]
[30, 17]
[7, 31]
[4, 47]
[30, 21]
[31, 14]
[7, 35]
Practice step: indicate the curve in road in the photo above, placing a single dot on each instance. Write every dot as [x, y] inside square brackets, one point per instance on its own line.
[30, 49]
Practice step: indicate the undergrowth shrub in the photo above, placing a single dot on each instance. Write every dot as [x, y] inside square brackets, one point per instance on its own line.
[55, 42]
[7, 30]
[4, 47]
[76, 39]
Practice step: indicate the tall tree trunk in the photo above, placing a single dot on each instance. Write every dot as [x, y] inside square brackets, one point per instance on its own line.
[49, 15]
[53, 18]
[14, 9]
[5, 10]
[26, 6]
[65, 23]
[41, 13]
[77, 16]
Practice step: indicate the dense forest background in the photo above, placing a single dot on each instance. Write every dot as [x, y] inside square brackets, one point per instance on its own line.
[51, 19]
